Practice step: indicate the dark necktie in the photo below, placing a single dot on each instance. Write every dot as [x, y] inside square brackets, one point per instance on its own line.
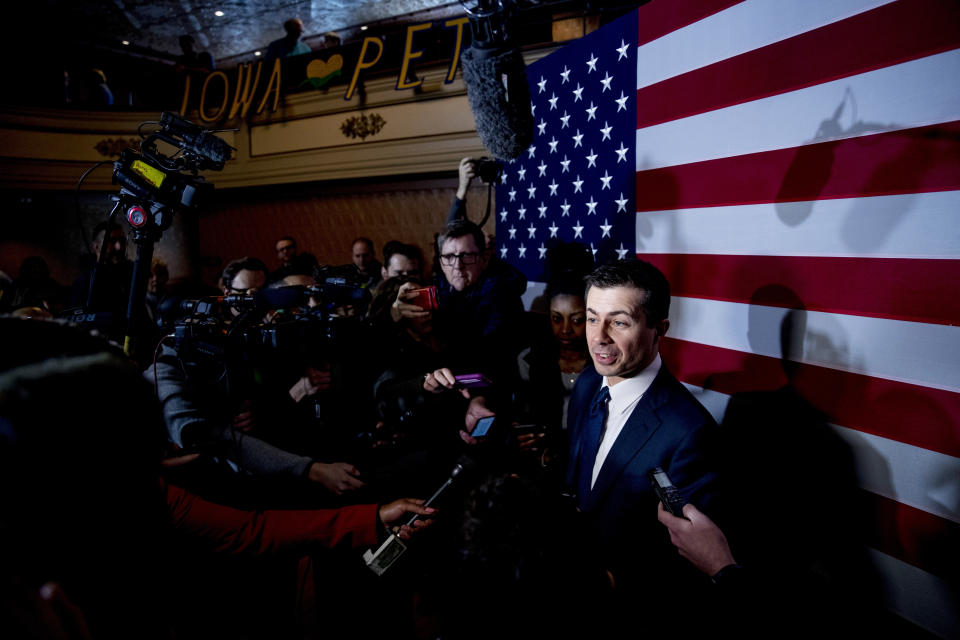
[592, 433]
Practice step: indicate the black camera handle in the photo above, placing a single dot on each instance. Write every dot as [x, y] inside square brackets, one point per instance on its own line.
[145, 237]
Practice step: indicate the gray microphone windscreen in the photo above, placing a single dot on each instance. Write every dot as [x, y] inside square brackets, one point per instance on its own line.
[500, 100]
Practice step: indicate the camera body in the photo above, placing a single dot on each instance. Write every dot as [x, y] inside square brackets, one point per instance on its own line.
[488, 170]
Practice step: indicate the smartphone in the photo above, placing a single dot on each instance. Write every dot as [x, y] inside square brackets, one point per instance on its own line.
[472, 380]
[483, 427]
[668, 493]
[520, 429]
[426, 298]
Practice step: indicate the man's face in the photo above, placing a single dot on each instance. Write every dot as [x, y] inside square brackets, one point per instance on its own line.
[458, 274]
[400, 265]
[362, 256]
[247, 281]
[286, 250]
[158, 280]
[116, 246]
[620, 342]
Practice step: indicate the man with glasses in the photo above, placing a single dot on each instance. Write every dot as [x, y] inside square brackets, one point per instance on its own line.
[292, 262]
[480, 310]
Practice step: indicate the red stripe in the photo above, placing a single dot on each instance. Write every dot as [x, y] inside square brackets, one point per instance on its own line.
[914, 536]
[660, 17]
[914, 160]
[885, 36]
[894, 288]
[913, 414]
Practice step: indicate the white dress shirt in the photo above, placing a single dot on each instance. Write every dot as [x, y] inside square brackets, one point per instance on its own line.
[624, 396]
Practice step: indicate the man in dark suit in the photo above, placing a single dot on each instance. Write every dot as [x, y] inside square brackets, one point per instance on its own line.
[627, 415]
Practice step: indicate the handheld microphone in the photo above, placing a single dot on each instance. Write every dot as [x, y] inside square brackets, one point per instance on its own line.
[463, 463]
[496, 79]
[390, 551]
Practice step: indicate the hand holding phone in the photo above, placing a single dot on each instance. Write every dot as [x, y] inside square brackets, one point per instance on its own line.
[668, 493]
[426, 298]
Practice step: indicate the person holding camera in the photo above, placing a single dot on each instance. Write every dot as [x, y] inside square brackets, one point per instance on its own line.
[197, 394]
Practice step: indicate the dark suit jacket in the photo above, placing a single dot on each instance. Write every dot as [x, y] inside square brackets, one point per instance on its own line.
[668, 428]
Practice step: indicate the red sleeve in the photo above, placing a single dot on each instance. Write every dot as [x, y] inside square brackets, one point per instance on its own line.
[231, 530]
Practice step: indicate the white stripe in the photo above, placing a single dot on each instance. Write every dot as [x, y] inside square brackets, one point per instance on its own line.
[911, 475]
[741, 28]
[911, 352]
[921, 597]
[915, 225]
[915, 476]
[910, 94]
[713, 401]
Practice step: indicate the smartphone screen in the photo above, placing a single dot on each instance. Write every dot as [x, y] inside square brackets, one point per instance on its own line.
[472, 380]
[483, 426]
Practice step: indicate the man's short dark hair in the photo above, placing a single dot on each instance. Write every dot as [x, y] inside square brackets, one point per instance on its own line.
[460, 229]
[641, 275]
[409, 251]
[236, 266]
[290, 238]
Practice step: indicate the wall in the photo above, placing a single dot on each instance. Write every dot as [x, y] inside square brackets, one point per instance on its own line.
[326, 218]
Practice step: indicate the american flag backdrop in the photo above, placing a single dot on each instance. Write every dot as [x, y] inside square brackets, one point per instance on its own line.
[772, 156]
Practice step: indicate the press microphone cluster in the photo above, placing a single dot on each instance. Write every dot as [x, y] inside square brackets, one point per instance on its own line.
[496, 79]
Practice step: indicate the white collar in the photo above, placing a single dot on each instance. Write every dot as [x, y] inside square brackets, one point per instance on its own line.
[624, 394]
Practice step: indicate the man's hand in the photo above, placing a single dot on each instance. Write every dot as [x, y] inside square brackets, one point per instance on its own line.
[313, 381]
[338, 477]
[401, 308]
[320, 378]
[468, 171]
[392, 513]
[698, 539]
[531, 441]
[244, 420]
[442, 380]
[475, 410]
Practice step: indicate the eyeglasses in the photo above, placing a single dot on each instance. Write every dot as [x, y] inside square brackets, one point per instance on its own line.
[449, 259]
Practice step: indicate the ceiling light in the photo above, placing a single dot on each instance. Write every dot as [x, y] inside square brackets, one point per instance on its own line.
[364, 28]
[218, 13]
[257, 53]
[125, 42]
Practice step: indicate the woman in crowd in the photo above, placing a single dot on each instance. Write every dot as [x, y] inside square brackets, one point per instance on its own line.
[549, 368]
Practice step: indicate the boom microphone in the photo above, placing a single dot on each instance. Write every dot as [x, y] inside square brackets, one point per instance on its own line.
[496, 79]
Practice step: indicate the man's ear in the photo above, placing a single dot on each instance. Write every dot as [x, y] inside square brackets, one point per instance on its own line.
[383, 272]
[485, 257]
[662, 327]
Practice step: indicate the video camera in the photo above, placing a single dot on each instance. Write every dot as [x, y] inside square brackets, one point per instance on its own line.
[153, 177]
